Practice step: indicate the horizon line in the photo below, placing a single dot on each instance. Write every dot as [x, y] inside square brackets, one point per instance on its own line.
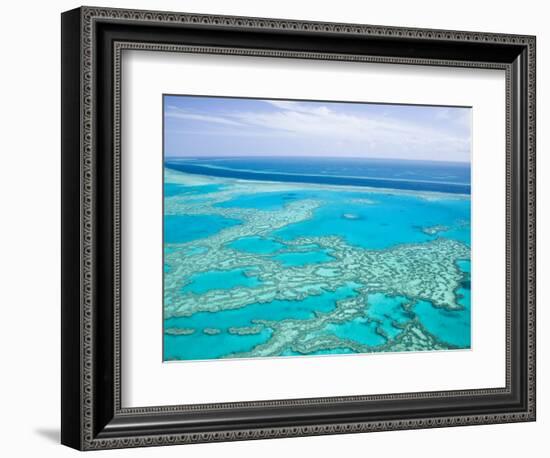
[316, 157]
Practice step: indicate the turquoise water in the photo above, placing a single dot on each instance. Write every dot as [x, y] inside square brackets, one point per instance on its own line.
[464, 265]
[364, 219]
[221, 279]
[392, 220]
[258, 245]
[387, 310]
[175, 189]
[276, 200]
[302, 258]
[276, 310]
[359, 329]
[452, 327]
[185, 228]
[262, 201]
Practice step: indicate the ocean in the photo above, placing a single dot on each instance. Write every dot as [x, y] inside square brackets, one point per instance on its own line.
[288, 256]
[450, 177]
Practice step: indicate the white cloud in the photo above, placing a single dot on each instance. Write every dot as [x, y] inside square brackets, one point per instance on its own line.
[299, 107]
[175, 112]
[383, 133]
[365, 133]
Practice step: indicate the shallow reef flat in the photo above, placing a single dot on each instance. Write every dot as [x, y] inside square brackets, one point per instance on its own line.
[310, 294]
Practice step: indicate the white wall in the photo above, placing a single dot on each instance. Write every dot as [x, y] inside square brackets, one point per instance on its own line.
[30, 241]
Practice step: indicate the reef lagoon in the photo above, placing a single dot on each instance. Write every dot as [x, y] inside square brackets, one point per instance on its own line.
[290, 257]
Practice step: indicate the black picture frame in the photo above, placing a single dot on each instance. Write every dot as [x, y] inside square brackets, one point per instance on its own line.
[92, 40]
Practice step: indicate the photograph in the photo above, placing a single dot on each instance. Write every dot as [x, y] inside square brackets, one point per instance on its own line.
[314, 228]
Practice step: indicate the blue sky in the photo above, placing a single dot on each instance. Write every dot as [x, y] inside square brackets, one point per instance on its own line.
[218, 126]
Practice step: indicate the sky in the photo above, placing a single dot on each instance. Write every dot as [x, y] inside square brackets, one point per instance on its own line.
[221, 126]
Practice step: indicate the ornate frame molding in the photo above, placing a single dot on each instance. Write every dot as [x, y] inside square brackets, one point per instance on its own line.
[89, 434]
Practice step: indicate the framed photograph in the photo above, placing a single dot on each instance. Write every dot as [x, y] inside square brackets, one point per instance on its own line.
[276, 228]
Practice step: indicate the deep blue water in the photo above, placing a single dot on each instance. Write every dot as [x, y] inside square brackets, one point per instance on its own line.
[381, 173]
